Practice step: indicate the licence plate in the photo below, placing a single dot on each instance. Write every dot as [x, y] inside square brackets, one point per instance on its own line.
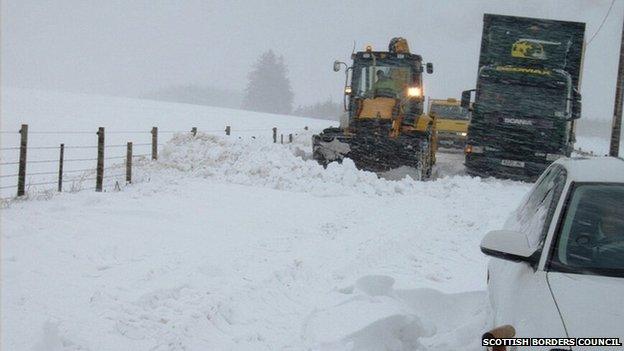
[512, 163]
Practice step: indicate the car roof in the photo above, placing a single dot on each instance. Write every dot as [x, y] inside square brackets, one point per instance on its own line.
[594, 169]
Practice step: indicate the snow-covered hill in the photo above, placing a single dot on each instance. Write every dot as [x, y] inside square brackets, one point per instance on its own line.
[46, 110]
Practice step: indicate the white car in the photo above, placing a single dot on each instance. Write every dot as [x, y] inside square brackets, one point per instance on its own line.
[558, 266]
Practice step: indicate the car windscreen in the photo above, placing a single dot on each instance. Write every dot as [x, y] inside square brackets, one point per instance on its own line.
[450, 111]
[591, 237]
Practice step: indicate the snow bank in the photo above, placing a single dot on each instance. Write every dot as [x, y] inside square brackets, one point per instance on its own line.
[258, 163]
[287, 167]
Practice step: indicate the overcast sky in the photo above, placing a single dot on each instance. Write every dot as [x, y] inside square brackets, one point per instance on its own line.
[132, 47]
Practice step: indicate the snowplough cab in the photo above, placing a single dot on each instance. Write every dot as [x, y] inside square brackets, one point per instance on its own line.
[384, 126]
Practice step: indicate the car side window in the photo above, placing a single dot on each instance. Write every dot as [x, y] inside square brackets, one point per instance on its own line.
[535, 214]
[591, 238]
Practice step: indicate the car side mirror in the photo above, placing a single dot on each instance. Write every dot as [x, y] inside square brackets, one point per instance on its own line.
[508, 245]
[429, 66]
[337, 66]
[465, 98]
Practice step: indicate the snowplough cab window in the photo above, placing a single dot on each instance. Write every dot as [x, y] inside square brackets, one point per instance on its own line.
[450, 112]
[383, 80]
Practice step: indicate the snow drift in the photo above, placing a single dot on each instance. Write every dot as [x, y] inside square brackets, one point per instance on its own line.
[287, 167]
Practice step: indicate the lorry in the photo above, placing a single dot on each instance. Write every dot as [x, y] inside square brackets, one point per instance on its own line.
[384, 126]
[452, 122]
[527, 96]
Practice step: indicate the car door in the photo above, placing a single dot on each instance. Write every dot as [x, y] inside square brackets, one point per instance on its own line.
[519, 292]
[585, 270]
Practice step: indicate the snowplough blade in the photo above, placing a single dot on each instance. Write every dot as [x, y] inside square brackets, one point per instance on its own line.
[374, 152]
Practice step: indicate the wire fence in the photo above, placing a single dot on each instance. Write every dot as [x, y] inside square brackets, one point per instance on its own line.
[44, 174]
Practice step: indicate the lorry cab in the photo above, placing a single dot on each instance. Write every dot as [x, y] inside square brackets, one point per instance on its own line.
[527, 96]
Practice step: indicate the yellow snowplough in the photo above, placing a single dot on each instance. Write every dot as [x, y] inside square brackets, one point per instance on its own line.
[452, 122]
[384, 126]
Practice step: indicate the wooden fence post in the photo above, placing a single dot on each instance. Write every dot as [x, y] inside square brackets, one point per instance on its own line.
[60, 174]
[21, 174]
[129, 162]
[274, 135]
[282, 138]
[154, 143]
[194, 131]
[99, 177]
[290, 138]
[227, 130]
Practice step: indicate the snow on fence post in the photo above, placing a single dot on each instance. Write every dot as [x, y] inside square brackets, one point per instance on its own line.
[227, 130]
[194, 131]
[99, 177]
[21, 174]
[60, 174]
[274, 135]
[290, 138]
[129, 162]
[154, 143]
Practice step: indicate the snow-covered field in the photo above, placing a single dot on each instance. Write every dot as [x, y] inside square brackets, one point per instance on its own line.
[73, 119]
[229, 243]
[599, 146]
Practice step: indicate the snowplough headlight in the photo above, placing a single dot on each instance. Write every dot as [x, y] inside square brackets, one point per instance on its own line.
[414, 92]
[347, 90]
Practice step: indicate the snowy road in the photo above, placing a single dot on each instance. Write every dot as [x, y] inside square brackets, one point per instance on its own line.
[230, 245]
